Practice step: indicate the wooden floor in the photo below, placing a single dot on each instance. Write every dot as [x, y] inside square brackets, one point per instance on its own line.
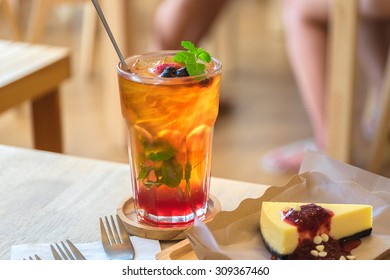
[266, 112]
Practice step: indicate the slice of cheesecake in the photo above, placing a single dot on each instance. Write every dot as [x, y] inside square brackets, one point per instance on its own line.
[313, 231]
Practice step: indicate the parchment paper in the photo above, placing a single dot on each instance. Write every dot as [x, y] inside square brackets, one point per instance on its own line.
[236, 234]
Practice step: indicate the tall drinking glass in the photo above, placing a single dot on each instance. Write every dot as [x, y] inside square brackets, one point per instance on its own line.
[170, 128]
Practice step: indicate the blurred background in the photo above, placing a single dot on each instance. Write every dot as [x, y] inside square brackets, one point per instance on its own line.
[265, 112]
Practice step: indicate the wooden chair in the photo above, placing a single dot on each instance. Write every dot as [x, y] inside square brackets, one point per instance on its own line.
[37, 22]
[11, 19]
[344, 20]
[39, 14]
[30, 72]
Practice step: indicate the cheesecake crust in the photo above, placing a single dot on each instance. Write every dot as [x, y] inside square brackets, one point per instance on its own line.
[344, 246]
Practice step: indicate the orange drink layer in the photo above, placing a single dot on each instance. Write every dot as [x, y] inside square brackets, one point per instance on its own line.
[170, 127]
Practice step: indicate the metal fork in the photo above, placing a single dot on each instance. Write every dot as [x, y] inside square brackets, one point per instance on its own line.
[65, 253]
[116, 241]
[36, 257]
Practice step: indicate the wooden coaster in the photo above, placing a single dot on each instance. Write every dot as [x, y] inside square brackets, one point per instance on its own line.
[127, 214]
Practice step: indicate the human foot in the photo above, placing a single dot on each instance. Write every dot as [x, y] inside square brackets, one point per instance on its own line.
[287, 158]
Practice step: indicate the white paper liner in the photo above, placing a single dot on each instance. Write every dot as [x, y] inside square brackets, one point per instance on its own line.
[237, 233]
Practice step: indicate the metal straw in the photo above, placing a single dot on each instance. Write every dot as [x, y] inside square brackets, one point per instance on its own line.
[105, 24]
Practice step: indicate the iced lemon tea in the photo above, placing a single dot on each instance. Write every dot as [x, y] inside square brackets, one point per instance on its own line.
[170, 126]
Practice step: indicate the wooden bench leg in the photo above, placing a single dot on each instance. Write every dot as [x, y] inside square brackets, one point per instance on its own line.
[47, 122]
[381, 136]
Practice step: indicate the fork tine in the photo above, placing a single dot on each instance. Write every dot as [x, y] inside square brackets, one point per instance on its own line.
[116, 235]
[122, 230]
[55, 253]
[67, 252]
[61, 252]
[103, 232]
[36, 257]
[109, 232]
[75, 251]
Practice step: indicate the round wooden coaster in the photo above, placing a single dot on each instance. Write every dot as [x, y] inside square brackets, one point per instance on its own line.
[127, 214]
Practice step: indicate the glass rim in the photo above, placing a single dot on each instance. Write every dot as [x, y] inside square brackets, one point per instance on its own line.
[217, 69]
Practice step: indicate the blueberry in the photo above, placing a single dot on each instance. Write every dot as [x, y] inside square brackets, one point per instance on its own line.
[182, 72]
[169, 72]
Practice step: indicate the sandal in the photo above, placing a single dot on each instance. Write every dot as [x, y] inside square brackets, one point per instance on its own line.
[287, 158]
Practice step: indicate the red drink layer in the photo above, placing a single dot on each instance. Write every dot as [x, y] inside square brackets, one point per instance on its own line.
[170, 124]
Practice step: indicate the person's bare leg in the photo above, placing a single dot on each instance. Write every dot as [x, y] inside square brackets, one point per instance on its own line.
[306, 35]
[178, 20]
[306, 43]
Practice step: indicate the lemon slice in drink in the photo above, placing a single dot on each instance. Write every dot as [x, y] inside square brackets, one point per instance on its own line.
[198, 144]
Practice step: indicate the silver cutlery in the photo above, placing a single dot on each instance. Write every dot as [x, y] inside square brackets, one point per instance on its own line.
[66, 251]
[35, 257]
[115, 240]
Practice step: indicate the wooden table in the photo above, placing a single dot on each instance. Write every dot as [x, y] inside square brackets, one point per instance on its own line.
[34, 73]
[47, 197]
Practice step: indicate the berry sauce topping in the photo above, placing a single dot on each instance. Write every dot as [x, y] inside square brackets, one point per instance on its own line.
[310, 218]
[307, 251]
[313, 225]
[329, 249]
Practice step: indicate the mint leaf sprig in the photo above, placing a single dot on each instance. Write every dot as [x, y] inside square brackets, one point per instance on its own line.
[166, 169]
[191, 57]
